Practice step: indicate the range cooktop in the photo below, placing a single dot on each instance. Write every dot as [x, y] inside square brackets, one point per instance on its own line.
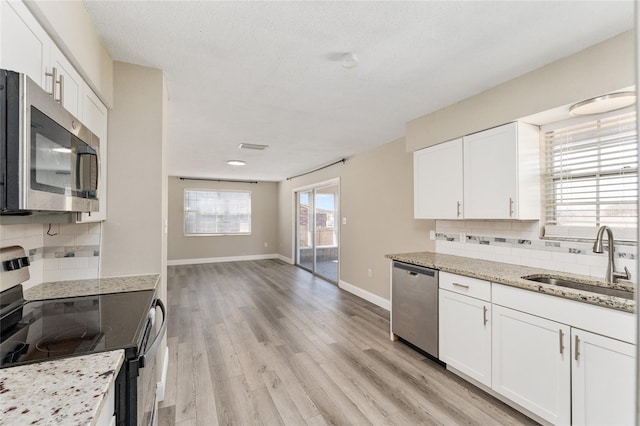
[47, 329]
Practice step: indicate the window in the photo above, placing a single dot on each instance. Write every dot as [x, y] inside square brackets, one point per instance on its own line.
[591, 179]
[211, 212]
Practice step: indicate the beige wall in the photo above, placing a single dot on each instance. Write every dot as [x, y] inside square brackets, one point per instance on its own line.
[376, 197]
[133, 235]
[70, 26]
[600, 69]
[264, 213]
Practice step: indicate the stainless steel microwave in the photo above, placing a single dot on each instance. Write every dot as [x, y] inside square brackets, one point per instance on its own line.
[49, 161]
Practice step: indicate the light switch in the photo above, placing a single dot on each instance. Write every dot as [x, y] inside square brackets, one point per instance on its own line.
[344, 220]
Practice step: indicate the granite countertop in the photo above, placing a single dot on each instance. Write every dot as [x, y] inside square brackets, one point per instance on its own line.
[67, 391]
[508, 274]
[73, 288]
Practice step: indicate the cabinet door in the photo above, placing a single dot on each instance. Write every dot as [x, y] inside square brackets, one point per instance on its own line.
[603, 380]
[531, 363]
[69, 83]
[437, 181]
[24, 45]
[465, 335]
[95, 117]
[491, 174]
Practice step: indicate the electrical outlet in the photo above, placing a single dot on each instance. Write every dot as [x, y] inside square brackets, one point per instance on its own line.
[369, 273]
[344, 220]
[266, 244]
[432, 235]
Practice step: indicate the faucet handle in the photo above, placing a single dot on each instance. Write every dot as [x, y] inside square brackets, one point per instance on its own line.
[624, 275]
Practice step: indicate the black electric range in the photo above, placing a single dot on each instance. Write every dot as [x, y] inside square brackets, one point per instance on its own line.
[44, 330]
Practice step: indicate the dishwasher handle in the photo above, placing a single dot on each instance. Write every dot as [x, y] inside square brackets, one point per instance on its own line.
[416, 270]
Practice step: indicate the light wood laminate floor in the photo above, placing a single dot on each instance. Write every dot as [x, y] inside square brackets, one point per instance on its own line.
[264, 342]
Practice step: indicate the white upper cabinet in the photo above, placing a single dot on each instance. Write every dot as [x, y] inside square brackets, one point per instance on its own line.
[94, 116]
[438, 181]
[26, 48]
[24, 45]
[68, 83]
[501, 173]
[494, 174]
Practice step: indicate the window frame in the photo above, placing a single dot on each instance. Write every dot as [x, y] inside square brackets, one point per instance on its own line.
[568, 232]
[218, 234]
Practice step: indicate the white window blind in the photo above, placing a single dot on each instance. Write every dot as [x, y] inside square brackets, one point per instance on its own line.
[591, 179]
[212, 212]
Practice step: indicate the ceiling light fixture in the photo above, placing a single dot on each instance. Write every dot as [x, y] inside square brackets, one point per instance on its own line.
[236, 163]
[253, 146]
[349, 60]
[604, 103]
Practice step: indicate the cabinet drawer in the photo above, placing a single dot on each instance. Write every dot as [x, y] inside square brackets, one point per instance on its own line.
[473, 287]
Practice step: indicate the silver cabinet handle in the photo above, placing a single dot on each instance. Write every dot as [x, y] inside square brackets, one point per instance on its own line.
[61, 93]
[461, 285]
[54, 79]
[458, 208]
[561, 338]
[415, 274]
[510, 207]
[577, 350]
[484, 315]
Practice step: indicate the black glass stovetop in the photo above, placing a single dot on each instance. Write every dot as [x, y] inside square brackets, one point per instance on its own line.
[46, 329]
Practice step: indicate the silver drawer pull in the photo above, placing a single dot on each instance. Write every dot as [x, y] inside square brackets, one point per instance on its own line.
[577, 348]
[561, 338]
[484, 315]
[461, 285]
[412, 273]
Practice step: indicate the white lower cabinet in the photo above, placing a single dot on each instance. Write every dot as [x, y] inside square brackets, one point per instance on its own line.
[465, 335]
[531, 363]
[603, 380]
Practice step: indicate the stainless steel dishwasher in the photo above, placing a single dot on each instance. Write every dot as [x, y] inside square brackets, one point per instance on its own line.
[414, 306]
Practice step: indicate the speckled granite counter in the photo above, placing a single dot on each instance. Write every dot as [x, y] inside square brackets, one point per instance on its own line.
[67, 391]
[61, 289]
[508, 274]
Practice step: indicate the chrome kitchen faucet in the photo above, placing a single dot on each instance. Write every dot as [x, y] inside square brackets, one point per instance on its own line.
[612, 276]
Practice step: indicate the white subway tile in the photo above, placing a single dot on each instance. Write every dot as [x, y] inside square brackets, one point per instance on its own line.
[87, 240]
[73, 263]
[74, 229]
[50, 264]
[60, 240]
[85, 274]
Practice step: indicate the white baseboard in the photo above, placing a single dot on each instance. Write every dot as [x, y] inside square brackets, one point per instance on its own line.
[285, 259]
[161, 386]
[366, 295]
[177, 262]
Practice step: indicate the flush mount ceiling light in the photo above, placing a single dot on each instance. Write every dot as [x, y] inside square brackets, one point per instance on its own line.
[349, 60]
[604, 103]
[253, 146]
[236, 163]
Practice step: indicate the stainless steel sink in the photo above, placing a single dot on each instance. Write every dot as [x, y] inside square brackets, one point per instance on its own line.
[581, 286]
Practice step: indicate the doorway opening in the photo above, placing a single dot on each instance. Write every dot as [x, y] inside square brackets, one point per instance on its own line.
[317, 224]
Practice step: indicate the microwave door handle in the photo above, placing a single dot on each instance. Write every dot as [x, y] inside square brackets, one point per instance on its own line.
[85, 155]
[151, 351]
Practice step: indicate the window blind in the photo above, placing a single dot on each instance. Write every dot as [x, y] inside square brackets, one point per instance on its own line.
[212, 212]
[591, 179]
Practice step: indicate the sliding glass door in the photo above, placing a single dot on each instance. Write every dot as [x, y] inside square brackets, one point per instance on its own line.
[317, 240]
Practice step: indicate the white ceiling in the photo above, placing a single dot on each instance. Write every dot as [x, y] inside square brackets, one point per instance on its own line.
[269, 72]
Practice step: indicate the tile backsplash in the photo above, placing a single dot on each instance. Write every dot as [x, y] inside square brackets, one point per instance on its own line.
[518, 242]
[58, 252]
